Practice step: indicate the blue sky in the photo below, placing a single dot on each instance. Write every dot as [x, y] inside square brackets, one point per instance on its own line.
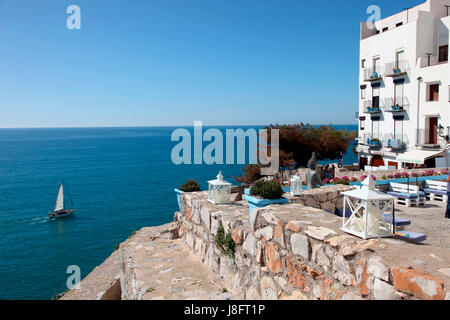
[170, 62]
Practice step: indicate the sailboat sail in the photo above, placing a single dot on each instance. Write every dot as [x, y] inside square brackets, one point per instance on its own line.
[60, 200]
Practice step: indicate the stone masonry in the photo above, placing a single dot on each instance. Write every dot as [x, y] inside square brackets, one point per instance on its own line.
[298, 252]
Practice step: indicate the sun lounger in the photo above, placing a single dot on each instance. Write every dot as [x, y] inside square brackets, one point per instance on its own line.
[408, 195]
[436, 190]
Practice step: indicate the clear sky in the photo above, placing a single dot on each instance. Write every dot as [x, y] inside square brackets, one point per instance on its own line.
[170, 62]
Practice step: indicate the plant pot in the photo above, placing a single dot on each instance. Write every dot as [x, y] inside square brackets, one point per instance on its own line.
[260, 203]
[179, 193]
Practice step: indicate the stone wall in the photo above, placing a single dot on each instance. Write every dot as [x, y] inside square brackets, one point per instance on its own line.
[326, 198]
[298, 252]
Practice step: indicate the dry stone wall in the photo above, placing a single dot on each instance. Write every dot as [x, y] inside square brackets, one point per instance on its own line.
[297, 252]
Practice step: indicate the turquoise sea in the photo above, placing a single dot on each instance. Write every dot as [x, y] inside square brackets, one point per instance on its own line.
[120, 179]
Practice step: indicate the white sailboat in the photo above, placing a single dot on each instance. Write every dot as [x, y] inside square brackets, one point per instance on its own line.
[60, 210]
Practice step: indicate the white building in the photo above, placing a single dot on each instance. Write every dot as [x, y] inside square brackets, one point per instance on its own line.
[404, 98]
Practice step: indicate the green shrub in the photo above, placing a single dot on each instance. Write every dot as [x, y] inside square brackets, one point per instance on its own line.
[190, 186]
[225, 242]
[267, 189]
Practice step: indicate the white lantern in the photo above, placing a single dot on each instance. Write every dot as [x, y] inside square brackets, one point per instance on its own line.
[296, 186]
[219, 190]
[368, 208]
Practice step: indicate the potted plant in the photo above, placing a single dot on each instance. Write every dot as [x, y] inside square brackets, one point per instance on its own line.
[263, 193]
[190, 186]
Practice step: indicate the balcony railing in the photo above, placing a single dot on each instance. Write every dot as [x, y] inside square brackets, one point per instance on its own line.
[397, 68]
[428, 138]
[373, 74]
[430, 60]
[372, 106]
[372, 141]
[397, 142]
[397, 104]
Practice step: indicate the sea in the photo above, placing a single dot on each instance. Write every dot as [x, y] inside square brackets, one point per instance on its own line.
[119, 179]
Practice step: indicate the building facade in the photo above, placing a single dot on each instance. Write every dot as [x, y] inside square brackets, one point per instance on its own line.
[404, 89]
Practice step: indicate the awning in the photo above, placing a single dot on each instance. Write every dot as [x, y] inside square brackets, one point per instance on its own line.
[419, 156]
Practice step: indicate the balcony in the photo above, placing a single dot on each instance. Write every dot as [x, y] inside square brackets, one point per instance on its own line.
[396, 105]
[396, 143]
[371, 141]
[373, 74]
[372, 107]
[427, 138]
[397, 68]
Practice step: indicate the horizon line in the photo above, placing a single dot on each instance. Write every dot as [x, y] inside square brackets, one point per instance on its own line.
[173, 126]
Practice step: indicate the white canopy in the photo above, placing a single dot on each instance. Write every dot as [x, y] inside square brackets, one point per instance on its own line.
[419, 156]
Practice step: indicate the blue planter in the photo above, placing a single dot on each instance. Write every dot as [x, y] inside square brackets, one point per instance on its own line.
[179, 193]
[260, 203]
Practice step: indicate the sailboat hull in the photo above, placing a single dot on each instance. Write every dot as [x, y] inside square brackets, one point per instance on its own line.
[61, 213]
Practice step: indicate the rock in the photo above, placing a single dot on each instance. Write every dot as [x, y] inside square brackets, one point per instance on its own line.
[278, 235]
[237, 234]
[188, 214]
[293, 226]
[342, 271]
[189, 240]
[281, 282]
[377, 268]
[337, 241]
[252, 294]
[250, 244]
[211, 260]
[383, 290]
[296, 295]
[319, 256]
[273, 258]
[316, 291]
[350, 249]
[266, 232]
[362, 277]
[268, 289]
[205, 215]
[445, 271]
[296, 274]
[214, 226]
[259, 252]
[447, 296]
[350, 296]
[419, 283]
[300, 245]
[319, 233]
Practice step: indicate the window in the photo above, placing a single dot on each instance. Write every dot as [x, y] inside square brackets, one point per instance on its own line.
[376, 64]
[363, 93]
[377, 31]
[376, 128]
[398, 128]
[398, 94]
[385, 29]
[376, 97]
[361, 123]
[399, 24]
[443, 53]
[399, 58]
[433, 94]
[363, 63]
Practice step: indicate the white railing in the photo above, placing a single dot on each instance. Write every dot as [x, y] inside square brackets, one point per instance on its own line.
[396, 104]
[397, 67]
[373, 73]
